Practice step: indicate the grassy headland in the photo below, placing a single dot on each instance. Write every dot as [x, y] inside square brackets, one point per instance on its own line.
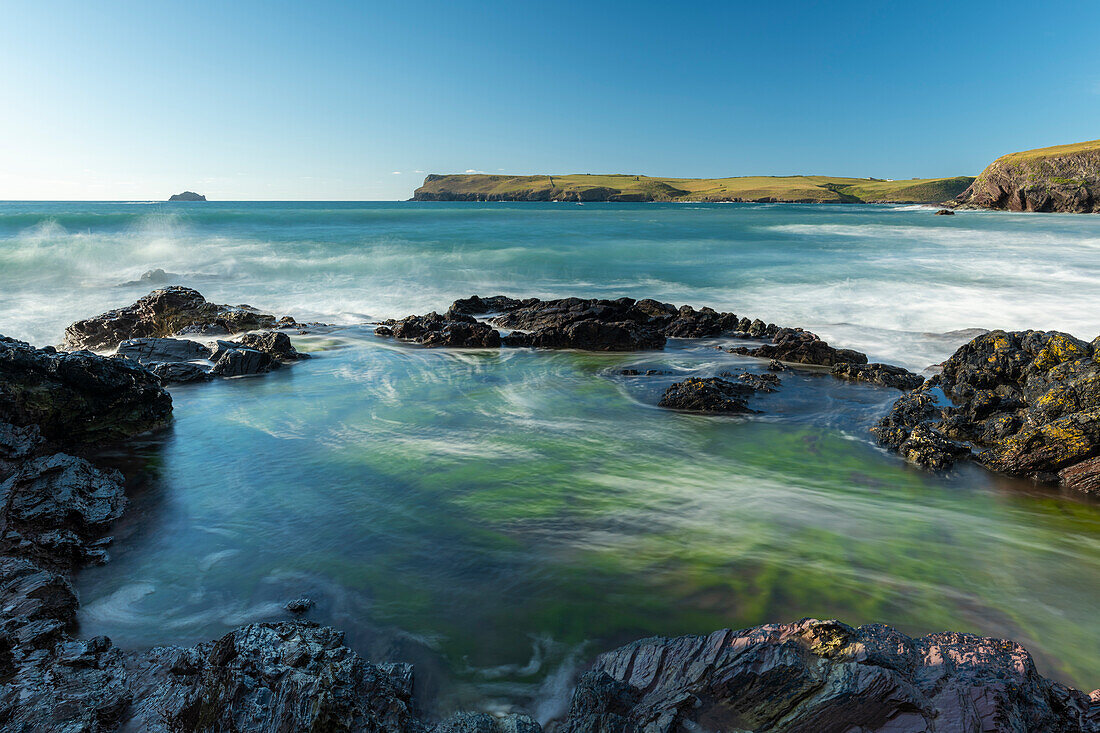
[1062, 178]
[589, 187]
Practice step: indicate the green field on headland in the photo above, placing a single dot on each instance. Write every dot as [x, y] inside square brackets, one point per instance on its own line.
[625, 187]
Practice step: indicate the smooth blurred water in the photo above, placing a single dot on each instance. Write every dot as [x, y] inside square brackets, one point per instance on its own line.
[498, 517]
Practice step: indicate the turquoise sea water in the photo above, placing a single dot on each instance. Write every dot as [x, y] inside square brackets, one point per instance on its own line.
[498, 517]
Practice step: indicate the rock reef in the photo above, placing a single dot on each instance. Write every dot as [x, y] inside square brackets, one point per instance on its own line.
[1024, 403]
[170, 311]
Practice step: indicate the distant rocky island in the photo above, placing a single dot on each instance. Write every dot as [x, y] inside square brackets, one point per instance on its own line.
[1063, 178]
[187, 196]
[756, 189]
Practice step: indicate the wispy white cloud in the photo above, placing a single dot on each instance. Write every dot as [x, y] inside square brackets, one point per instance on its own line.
[396, 173]
[471, 170]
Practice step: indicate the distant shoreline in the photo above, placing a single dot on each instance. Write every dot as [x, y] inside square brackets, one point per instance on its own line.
[586, 188]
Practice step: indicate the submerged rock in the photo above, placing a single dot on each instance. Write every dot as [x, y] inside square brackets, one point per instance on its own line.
[169, 311]
[823, 676]
[884, 375]
[78, 397]
[709, 395]
[1029, 401]
[299, 605]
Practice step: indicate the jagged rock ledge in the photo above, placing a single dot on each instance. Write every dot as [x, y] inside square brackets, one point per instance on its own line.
[1023, 403]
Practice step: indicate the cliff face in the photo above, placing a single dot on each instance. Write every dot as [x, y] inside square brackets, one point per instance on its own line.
[1065, 178]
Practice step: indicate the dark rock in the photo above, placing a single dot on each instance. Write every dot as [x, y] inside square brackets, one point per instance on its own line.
[760, 382]
[187, 196]
[290, 676]
[1030, 400]
[299, 605]
[151, 350]
[169, 311]
[274, 343]
[944, 212]
[180, 372]
[702, 323]
[232, 360]
[591, 335]
[78, 396]
[646, 373]
[485, 723]
[777, 366]
[53, 506]
[800, 347]
[477, 306]
[929, 449]
[822, 676]
[456, 331]
[709, 395]
[884, 375]
[37, 604]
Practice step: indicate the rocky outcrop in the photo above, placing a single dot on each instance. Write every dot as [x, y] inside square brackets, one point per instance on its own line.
[187, 196]
[453, 330]
[1065, 178]
[1027, 401]
[78, 397]
[176, 361]
[170, 311]
[801, 347]
[710, 395]
[884, 375]
[815, 676]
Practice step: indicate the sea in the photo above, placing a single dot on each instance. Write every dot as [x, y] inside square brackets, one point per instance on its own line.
[500, 517]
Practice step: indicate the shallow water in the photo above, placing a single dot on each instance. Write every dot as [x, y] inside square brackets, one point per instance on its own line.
[498, 517]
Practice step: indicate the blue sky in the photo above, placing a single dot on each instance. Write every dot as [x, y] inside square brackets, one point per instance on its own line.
[250, 100]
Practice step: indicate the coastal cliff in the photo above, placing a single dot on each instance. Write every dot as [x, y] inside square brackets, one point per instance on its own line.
[1064, 178]
[631, 188]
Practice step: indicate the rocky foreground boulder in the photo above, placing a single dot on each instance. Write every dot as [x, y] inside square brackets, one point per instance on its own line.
[1064, 178]
[815, 676]
[170, 311]
[78, 397]
[1024, 403]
